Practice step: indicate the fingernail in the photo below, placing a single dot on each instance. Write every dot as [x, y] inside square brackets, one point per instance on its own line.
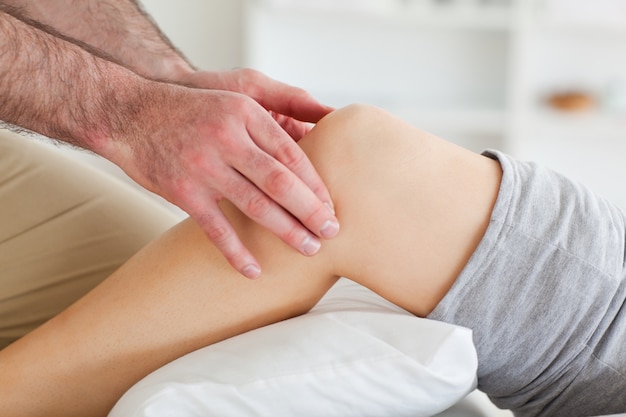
[310, 246]
[329, 229]
[251, 271]
[330, 207]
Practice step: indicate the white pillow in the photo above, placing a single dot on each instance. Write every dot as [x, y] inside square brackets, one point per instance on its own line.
[354, 354]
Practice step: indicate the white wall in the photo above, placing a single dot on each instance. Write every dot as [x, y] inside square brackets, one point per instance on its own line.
[208, 32]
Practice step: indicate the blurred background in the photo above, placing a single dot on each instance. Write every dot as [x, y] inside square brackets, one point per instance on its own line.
[543, 80]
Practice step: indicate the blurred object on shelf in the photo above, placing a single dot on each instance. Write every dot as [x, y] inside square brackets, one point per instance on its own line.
[571, 101]
[586, 12]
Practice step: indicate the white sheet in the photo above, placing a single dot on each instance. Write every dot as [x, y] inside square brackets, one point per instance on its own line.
[354, 355]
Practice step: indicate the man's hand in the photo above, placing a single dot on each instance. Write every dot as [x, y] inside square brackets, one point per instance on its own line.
[209, 145]
[293, 108]
[276, 174]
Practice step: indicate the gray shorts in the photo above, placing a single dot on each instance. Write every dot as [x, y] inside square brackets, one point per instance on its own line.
[544, 295]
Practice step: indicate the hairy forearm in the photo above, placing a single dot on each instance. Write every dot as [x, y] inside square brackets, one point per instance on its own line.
[118, 28]
[60, 90]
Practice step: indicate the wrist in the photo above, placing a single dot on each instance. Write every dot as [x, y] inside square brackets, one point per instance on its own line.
[136, 113]
[121, 110]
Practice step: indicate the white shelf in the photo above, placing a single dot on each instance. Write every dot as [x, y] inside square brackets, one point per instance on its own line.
[419, 14]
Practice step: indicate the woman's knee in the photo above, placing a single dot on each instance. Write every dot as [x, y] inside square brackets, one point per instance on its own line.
[359, 140]
[411, 206]
[367, 159]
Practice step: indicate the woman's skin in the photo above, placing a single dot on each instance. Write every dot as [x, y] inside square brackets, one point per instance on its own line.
[412, 208]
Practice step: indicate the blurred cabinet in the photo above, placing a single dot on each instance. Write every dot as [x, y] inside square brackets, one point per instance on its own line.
[477, 72]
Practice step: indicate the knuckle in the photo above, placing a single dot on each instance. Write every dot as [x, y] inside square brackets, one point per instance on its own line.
[293, 235]
[220, 131]
[298, 93]
[279, 182]
[179, 191]
[291, 155]
[320, 212]
[258, 206]
[255, 82]
[243, 103]
[251, 76]
[217, 231]
[234, 104]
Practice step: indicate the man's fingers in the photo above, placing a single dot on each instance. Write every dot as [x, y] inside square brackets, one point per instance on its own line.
[282, 188]
[271, 139]
[264, 210]
[219, 231]
[283, 98]
[294, 128]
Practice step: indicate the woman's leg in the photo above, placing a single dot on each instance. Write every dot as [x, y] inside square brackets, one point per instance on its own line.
[412, 210]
